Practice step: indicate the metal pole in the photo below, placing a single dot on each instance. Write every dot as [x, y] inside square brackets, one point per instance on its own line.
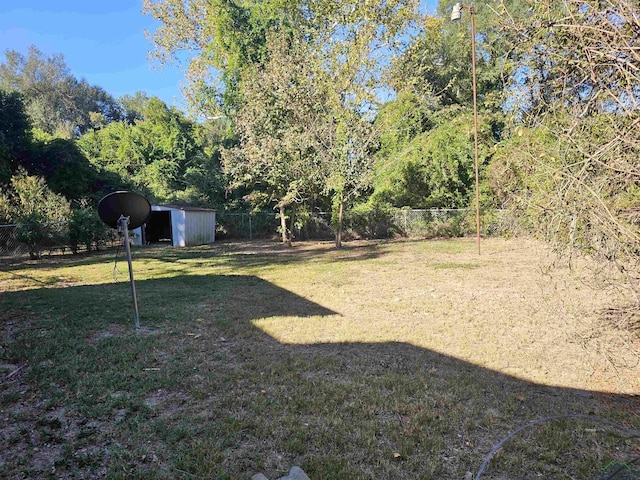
[475, 121]
[124, 223]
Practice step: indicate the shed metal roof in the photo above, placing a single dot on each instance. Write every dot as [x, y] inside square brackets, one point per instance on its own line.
[186, 208]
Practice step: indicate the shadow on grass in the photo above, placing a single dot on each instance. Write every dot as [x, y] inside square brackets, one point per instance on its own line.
[201, 392]
[251, 254]
[105, 255]
[262, 254]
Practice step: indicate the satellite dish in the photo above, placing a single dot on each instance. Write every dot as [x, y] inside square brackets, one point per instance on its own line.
[124, 204]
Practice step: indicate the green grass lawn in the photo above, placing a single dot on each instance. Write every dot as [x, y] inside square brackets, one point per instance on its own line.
[387, 360]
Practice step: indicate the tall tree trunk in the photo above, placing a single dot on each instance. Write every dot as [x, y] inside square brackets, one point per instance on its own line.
[291, 223]
[339, 227]
[283, 225]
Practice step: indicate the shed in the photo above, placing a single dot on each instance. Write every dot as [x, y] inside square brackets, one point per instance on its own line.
[179, 225]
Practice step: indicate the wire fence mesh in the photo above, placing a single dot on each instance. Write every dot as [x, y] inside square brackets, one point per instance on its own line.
[246, 225]
[10, 245]
[431, 222]
[264, 224]
[36, 240]
[22, 240]
[413, 223]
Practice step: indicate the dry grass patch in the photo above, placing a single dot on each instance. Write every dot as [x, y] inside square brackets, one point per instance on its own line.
[501, 310]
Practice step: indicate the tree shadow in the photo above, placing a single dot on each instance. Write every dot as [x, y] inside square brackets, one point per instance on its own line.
[261, 254]
[104, 255]
[238, 254]
[341, 410]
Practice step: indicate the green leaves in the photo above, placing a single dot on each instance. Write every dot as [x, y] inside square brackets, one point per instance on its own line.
[435, 169]
[161, 155]
[39, 211]
[56, 101]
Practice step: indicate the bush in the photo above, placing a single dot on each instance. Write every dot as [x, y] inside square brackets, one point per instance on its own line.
[38, 235]
[41, 214]
[371, 220]
[86, 228]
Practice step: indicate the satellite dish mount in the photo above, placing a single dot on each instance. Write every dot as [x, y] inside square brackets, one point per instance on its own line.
[123, 227]
[124, 211]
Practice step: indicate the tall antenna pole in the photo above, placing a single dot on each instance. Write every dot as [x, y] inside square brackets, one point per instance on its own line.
[123, 223]
[456, 14]
[475, 120]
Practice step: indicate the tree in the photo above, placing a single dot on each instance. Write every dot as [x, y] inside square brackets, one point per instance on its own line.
[86, 228]
[157, 155]
[276, 155]
[65, 168]
[315, 105]
[425, 145]
[223, 38]
[434, 169]
[437, 64]
[55, 100]
[354, 45]
[15, 133]
[40, 213]
[133, 107]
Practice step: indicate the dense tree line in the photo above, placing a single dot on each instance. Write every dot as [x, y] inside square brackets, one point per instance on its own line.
[299, 82]
[65, 143]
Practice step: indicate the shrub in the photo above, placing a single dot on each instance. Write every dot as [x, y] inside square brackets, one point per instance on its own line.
[38, 235]
[86, 228]
[41, 214]
[371, 220]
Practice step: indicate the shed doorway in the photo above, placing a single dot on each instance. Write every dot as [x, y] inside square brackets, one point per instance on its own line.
[158, 228]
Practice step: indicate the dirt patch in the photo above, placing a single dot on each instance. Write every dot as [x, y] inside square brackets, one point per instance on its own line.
[120, 330]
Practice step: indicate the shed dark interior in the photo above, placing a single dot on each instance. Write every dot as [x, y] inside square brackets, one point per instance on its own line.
[158, 228]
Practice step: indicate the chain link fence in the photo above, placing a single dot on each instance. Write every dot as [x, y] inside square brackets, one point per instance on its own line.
[245, 225]
[412, 223]
[262, 225]
[19, 240]
[445, 222]
[10, 245]
[449, 222]
[36, 240]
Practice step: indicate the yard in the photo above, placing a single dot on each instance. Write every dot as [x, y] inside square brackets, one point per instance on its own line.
[383, 360]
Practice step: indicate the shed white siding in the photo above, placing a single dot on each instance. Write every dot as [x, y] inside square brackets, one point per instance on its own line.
[200, 227]
[178, 229]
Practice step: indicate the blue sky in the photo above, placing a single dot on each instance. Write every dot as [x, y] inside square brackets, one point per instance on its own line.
[102, 42]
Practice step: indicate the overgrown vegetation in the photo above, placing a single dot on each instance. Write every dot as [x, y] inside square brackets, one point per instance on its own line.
[571, 169]
[569, 172]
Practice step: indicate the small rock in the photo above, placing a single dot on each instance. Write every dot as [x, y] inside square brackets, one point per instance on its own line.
[295, 473]
[468, 476]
